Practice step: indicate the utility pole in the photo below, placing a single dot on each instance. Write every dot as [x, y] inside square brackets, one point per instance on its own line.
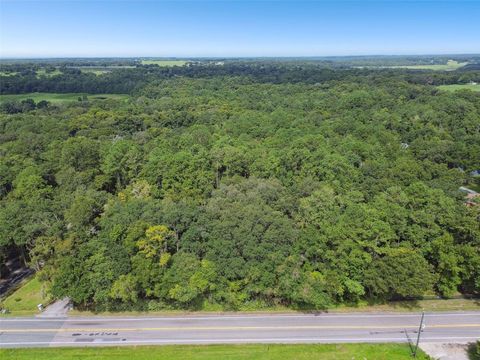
[420, 329]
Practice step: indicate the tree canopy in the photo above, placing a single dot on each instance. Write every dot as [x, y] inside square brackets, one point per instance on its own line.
[243, 184]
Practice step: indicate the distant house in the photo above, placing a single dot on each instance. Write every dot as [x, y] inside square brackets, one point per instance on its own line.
[472, 200]
[475, 173]
[471, 195]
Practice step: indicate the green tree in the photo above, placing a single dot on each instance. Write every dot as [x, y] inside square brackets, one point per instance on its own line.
[403, 273]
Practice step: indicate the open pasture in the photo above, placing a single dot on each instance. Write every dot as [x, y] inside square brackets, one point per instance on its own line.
[164, 62]
[449, 66]
[455, 87]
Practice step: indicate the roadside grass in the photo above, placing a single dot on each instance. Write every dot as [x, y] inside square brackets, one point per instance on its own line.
[394, 306]
[456, 87]
[61, 98]
[415, 305]
[231, 352]
[24, 300]
[164, 62]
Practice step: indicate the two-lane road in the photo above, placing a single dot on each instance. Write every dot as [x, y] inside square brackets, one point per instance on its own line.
[292, 328]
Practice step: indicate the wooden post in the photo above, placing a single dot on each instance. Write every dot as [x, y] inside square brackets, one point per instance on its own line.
[420, 329]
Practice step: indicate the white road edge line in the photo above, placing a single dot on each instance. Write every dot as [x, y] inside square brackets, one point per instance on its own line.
[229, 317]
[259, 341]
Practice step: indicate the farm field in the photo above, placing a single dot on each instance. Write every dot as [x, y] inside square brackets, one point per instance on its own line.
[61, 98]
[231, 352]
[101, 70]
[455, 87]
[43, 72]
[449, 66]
[164, 62]
[96, 71]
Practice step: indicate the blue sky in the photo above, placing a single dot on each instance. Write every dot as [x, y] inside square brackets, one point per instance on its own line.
[236, 28]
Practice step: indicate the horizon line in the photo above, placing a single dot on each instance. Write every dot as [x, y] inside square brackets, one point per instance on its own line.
[40, 57]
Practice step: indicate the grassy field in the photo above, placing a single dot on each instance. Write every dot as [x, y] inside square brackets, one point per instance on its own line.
[3, 73]
[95, 71]
[101, 70]
[24, 301]
[231, 352]
[449, 66]
[456, 87]
[42, 72]
[164, 62]
[61, 98]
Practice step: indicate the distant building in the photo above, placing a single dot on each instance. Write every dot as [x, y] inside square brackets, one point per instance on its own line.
[472, 200]
[471, 195]
[475, 173]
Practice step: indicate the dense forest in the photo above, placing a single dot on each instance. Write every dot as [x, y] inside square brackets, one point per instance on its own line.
[256, 184]
[68, 77]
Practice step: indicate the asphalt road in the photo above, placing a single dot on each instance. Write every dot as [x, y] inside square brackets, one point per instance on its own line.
[295, 328]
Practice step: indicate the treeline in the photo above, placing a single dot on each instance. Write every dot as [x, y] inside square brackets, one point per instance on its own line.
[129, 80]
[18, 65]
[73, 81]
[15, 107]
[225, 191]
[362, 60]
